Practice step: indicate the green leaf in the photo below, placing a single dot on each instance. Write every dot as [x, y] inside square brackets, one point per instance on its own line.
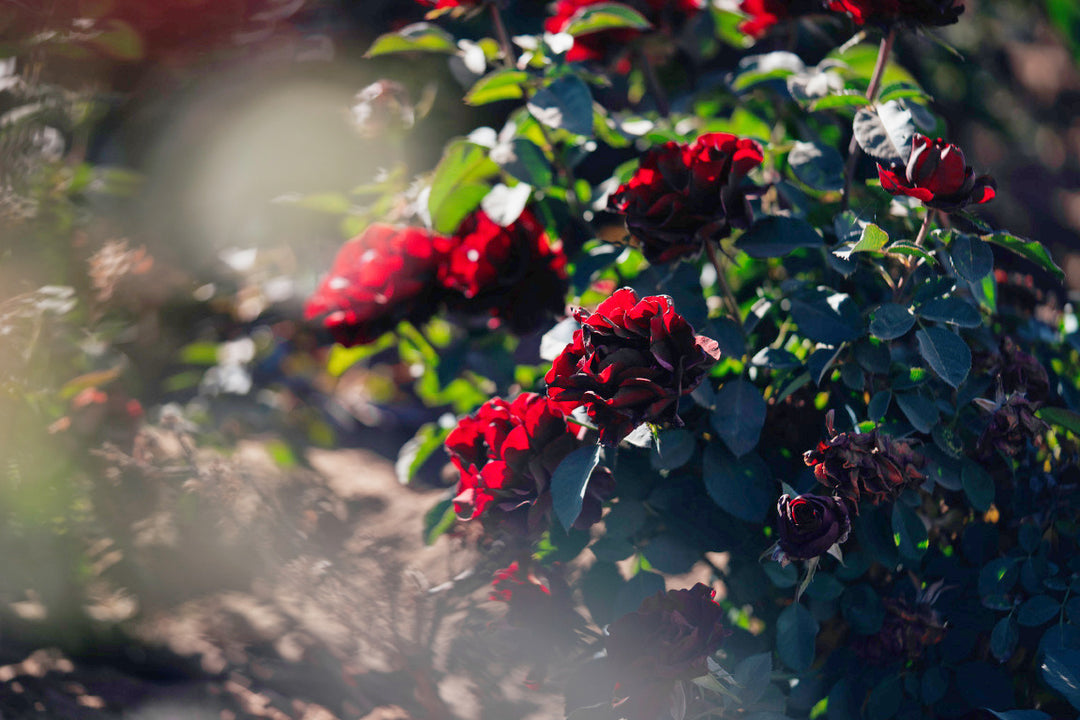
[919, 411]
[826, 317]
[741, 487]
[817, 165]
[900, 91]
[569, 481]
[605, 16]
[1061, 670]
[417, 449]
[752, 677]
[674, 449]
[418, 37]
[637, 589]
[862, 608]
[847, 99]
[796, 633]
[1038, 610]
[1003, 638]
[891, 321]
[978, 486]
[909, 533]
[972, 258]
[739, 415]
[1033, 250]
[879, 405]
[460, 182]
[1061, 417]
[504, 84]
[873, 239]
[950, 310]
[884, 132]
[884, 699]
[910, 249]
[438, 520]
[566, 104]
[946, 353]
[777, 236]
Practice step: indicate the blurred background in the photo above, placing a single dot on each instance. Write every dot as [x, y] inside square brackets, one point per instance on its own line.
[200, 517]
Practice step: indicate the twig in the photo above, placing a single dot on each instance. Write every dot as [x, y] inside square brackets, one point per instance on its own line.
[509, 57]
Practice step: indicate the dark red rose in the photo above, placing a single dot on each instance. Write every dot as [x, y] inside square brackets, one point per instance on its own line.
[682, 196]
[515, 273]
[937, 175]
[811, 524]
[629, 363]
[885, 12]
[602, 46]
[379, 278]
[763, 14]
[506, 454]
[871, 465]
[1011, 425]
[665, 641]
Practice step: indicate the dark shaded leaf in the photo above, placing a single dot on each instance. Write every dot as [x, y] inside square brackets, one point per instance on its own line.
[950, 310]
[947, 354]
[638, 588]
[972, 258]
[919, 411]
[739, 415]
[796, 633]
[569, 481]
[819, 166]
[1004, 637]
[891, 321]
[1061, 417]
[777, 236]
[978, 486]
[909, 533]
[1037, 611]
[566, 104]
[827, 317]
[884, 132]
[438, 520]
[742, 487]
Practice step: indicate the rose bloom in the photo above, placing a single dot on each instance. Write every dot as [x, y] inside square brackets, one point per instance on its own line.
[915, 12]
[936, 173]
[601, 46]
[682, 196]
[810, 524]
[629, 363]
[506, 453]
[764, 14]
[1011, 425]
[515, 273]
[665, 641]
[379, 278]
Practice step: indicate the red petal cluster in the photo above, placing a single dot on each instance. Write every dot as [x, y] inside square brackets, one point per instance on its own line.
[937, 174]
[682, 196]
[603, 45]
[629, 363]
[506, 453]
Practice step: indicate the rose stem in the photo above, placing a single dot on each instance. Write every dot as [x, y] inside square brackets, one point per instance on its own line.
[721, 277]
[504, 38]
[871, 93]
[910, 262]
[925, 227]
[655, 88]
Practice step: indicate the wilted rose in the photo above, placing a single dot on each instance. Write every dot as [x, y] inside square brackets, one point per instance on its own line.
[682, 196]
[514, 273]
[383, 276]
[869, 465]
[1011, 425]
[811, 524]
[1018, 371]
[506, 453]
[905, 634]
[937, 175]
[665, 641]
[912, 12]
[630, 363]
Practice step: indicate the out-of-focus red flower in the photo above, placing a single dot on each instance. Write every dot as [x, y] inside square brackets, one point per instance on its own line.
[515, 273]
[936, 173]
[630, 363]
[506, 453]
[665, 641]
[602, 46]
[764, 14]
[914, 12]
[683, 196]
[379, 278]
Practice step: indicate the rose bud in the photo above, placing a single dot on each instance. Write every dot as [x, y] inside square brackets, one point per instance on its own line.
[871, 465]
[912, 12]
[936, 174]
[514, 273]
[506, 454]
[629, 363]
[602, 46]
[682, 196]
[809, 525]
[378, 279]
[764, 14]
[667, 640]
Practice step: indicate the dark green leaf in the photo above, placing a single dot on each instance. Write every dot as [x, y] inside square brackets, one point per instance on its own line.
[905, 248]
[777, 236]
[884, 132]
[752, 677]
[569, 481]
[1061, 417]
[829, 318]
[891, 321]
[504, 84]
[460, 183]
[919, 411]
[676, 447]
[879, 405]
[862, 608]
[418, 37]
[1037, 611]
[415, 452]
[947, 354]
[818, 165]
[605, 16]
[872, 239]
[1033, 250]
[638, 588]
[998, 576]
[933, 685]
[909, 533]
[669, 553]
[438, 520]
[901, 91]
[796, 633]
[1061, 671]
[950, 310]
[972, 258]
[566, 104]
[1003, 638]
[742, 487]
[524, 160]
[1019, 714]
[884, 699]
[978, 486]
[739, 415]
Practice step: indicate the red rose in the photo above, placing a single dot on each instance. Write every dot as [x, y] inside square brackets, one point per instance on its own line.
[601, 46]
[506, 454]
[811, 524]
[917, 12]
[937, 174]
[763, 14]
[378, 279]
[629, 363]
[665, 641]
[682, 196]
[515, 273]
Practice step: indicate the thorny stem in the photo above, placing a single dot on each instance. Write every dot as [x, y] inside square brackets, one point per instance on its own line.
[509, 56]
[721, 278]
[871, 93]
